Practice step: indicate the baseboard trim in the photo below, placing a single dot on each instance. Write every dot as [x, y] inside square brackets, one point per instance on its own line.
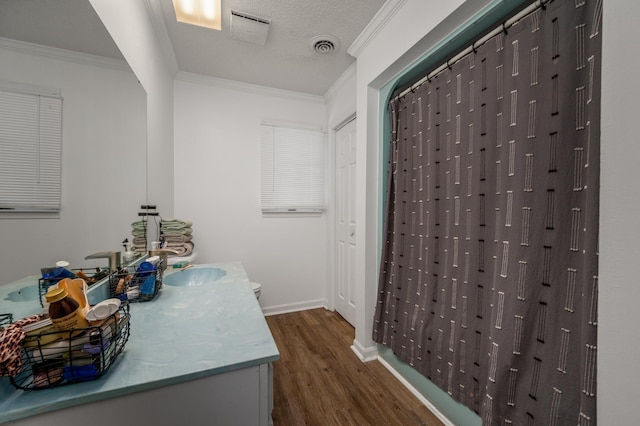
[416, 393]
[365, 354]
[294, 307]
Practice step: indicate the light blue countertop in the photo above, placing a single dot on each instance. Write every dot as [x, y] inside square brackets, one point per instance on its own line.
[185, 333]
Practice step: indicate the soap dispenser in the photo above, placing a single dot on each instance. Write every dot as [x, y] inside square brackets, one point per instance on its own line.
[128, 255]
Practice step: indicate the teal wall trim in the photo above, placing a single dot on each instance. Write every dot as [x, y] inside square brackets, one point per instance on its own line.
[484, 21]
[490, 17]
[457, 413]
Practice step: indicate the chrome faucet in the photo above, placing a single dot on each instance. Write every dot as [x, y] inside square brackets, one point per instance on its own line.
[157, 252]
[114, 258]
[163, 253]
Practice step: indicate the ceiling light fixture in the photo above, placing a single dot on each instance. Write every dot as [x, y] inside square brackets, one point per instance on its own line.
[204, 13]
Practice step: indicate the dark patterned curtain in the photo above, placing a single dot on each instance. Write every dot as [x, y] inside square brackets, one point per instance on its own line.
[488, 280]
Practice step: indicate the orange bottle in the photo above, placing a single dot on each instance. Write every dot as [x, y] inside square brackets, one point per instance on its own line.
[64, 311]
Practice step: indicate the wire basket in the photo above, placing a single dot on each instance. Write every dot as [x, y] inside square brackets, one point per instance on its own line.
[90, 276]
[5, 319]
[53, 358]
[137, 284]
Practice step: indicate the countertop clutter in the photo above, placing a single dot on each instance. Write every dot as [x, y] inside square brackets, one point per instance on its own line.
[51, 357]
[184, 334]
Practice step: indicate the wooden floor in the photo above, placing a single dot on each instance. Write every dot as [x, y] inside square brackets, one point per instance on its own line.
[320, 381]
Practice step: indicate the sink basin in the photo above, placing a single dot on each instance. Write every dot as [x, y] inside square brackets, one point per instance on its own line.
[25, 294]
[193, 277]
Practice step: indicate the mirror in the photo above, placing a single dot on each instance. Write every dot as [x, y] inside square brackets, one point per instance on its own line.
[63, 45]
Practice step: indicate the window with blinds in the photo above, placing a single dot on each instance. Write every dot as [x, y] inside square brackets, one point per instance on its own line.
[30, 152]
[293, 170]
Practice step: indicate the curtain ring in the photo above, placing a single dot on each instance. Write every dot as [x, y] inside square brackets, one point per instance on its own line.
[504, 28]
[543, 5]
[448, 66]
[473, 47]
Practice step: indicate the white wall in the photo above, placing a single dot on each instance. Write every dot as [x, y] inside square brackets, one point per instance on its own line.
[217, 186]
[341, 98]
[130, 26]
[619, 289]
[104, 143]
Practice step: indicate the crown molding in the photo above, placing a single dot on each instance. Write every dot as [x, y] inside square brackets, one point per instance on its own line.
[156, 16]
[63, 54]
[248, 87]
[379, 21]
[32, 89]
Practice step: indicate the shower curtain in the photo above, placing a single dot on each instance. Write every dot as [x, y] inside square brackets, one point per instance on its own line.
[488, 279]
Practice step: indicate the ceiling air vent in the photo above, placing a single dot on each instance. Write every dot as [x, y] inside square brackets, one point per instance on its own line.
[249, 28]
[324, 44]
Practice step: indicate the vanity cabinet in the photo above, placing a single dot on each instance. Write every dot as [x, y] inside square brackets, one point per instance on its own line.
[196, 355]
[241, 397]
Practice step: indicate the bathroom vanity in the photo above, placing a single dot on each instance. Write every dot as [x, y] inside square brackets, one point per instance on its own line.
[196, 355]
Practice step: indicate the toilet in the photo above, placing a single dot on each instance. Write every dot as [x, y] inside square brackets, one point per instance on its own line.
[171, 260]
[256, 289]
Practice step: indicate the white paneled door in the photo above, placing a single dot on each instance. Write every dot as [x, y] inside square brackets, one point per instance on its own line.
[346, 220]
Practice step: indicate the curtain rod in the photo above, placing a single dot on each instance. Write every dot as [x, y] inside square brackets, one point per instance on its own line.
[539, 4]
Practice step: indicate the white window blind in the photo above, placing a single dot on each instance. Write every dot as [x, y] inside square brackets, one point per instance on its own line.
[30, 152]
[293, 169]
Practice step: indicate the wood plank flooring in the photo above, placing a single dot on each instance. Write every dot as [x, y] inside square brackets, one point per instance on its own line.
[320, 381]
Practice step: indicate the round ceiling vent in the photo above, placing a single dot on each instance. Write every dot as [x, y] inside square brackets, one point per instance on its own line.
[324, 44]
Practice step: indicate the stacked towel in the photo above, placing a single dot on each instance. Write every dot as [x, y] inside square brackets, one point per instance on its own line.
[139, 233]
[177, 235]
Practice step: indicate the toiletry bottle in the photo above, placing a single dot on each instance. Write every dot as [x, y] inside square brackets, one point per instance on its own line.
[61, 271]
[64, 311]
[129, 255]
[146, 271]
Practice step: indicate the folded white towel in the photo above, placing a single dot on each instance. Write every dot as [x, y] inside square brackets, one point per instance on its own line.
[140, 224]
[184, 249]
[179, 239]
[175, 224]
[175, 231]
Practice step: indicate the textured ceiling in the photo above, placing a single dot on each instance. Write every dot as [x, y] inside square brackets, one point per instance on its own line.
[286, 61]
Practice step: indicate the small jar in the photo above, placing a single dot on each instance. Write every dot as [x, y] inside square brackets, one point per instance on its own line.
[64, 311]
